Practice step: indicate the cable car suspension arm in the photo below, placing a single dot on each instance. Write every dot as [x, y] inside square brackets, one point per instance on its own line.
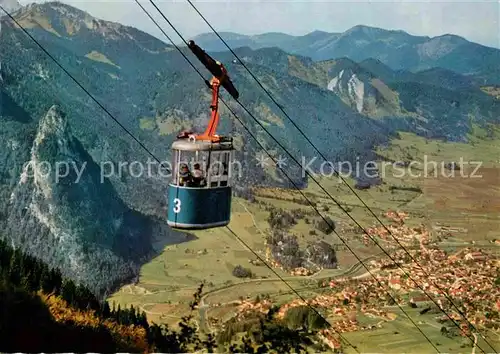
[220, 78]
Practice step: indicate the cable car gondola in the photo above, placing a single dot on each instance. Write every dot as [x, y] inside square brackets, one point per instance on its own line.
[199, 195]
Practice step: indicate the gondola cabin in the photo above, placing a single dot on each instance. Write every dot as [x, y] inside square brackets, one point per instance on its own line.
[199, 195]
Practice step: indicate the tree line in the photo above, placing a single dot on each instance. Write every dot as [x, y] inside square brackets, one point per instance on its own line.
[23, 276]
[32, 275]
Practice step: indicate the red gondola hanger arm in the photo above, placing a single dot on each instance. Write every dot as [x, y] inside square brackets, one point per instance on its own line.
[209, 133]
[215, 84]
[220, 78]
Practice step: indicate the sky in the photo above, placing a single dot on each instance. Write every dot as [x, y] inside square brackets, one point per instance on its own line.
[476, 20]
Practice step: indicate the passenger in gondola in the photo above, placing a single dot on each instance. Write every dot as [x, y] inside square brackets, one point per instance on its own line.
[198, 177]
[185, 177]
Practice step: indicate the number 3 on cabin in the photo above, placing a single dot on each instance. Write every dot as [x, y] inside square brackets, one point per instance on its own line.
[177, 205]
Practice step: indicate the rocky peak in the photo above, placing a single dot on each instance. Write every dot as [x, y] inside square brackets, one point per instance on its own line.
[348, 80]
[362, 29]
[67, 21]
[440, 46]
[53, 147]
[361, 89]
[82, 225]
[370, 34]
[61, 19]
[53, 123]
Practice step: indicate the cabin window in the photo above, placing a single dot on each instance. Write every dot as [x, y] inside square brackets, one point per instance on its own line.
[220, 163]
[201, 169]
[190, 168]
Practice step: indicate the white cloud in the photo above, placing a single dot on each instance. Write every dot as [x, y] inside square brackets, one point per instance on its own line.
[477, 21]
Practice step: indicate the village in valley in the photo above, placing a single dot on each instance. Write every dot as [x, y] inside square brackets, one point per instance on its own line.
[427, 278]
[429, 267]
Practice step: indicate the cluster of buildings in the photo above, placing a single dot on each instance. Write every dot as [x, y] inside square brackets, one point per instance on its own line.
[247, 306]
[407, 236]
[301, 271]
[469, 277]
[397, 216]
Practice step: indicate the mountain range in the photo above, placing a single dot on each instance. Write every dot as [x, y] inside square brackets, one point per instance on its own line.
[346, 104]
[396, 49]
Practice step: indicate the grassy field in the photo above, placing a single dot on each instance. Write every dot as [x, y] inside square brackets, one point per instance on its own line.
[470, 205]
[468, 200]
[172, 277]
[401, 335]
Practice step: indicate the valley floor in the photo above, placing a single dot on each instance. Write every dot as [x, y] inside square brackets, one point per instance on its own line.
[452, 213]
